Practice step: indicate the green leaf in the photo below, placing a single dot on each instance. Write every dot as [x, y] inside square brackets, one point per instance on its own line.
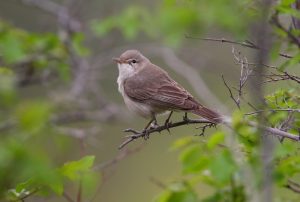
[89, 181]
[7, 86]
[24, 185]
[12, 48]
[178, 192]
[33, 115]
[101, 28]
[57, 186]
[74, 169]
[193, 159]
[222, 160]
[78, 40]
[181, 143]
[215, 139]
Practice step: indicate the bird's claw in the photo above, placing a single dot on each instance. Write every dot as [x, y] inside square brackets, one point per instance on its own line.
[146, 134]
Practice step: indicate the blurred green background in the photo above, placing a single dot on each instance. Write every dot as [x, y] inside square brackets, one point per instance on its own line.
[87, 112]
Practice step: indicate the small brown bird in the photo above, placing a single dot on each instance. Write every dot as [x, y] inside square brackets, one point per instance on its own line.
[148, 90]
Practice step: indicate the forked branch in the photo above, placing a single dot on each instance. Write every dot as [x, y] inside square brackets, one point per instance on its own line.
[145, 133]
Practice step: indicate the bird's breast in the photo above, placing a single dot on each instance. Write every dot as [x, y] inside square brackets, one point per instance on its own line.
[126, 71]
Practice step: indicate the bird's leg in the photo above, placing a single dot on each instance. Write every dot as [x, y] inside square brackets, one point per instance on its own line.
[167, 122]
[149, 123]
[185, 117]
[154, 124]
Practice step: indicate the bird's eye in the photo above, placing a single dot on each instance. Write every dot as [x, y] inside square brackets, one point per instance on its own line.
[133, 61]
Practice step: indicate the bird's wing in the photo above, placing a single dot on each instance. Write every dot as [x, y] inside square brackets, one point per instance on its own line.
[158, 89]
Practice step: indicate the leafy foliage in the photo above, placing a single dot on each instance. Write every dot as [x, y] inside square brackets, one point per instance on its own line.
[27, 166]
[172, 19]
[222, 161]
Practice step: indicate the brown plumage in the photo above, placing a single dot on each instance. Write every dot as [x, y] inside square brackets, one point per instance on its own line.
[150, 85]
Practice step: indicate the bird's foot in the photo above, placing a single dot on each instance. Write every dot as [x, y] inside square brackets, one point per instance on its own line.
[146, 134]
[153, 125]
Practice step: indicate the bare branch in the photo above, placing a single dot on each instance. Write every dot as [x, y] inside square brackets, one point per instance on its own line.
[158, 183]
[276, 132]
[103, 167]
[237, 102]
[54, 9]
[146, 133]
[281, 76]
[295, 187]
[245, 43]
[122, 154]
[275, 21]
[272, 110]
[46, 5]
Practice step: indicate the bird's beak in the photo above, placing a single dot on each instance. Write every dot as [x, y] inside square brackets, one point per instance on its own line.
[118, 60]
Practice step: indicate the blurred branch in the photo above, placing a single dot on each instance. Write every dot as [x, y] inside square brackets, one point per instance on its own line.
[8, 125]
[103, 167]
[46, 5]
[273, 77]
[67, 197]
[121, 155]
[56, 10]
[295, 187]
[275, 21]
[262, 32]
[276, 132]
[245, 43]
[68, 27]
[295, 20]
[158, 183]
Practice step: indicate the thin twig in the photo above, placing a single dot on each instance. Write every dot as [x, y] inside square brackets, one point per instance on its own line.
[275, 21]
[272, 110]
[276, 132]
[230, 92]
[281, 77]
[157, 183]
[123, 154]
[79, 192]
[245, 43]
[103, 167]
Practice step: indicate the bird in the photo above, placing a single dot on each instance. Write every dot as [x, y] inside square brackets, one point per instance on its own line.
[148, 90]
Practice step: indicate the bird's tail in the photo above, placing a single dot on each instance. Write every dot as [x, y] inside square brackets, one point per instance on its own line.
[209, 114]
